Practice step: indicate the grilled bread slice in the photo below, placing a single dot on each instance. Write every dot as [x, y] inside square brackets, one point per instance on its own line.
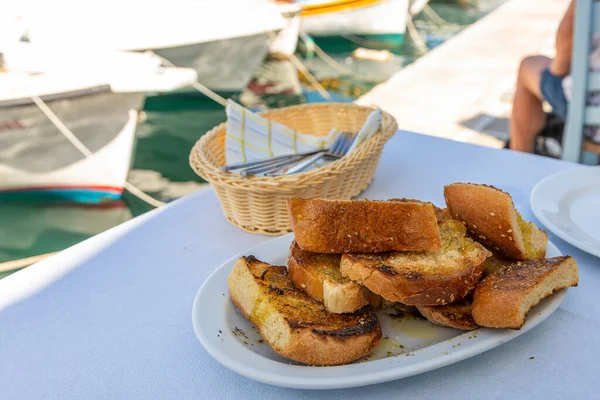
[503, 299]
[492, 219]
[295, 325]
[495, 263]
[456, 315]
[422, 278]
[366, 226]
[320, 277]
[492, 263]
[442, 214]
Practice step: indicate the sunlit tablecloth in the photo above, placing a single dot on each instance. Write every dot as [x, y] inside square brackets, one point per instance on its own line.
[111, 318]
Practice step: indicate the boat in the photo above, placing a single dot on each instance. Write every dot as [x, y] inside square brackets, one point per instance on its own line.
[225, 41]
[276, 79]
[339, 25]
[47, 95]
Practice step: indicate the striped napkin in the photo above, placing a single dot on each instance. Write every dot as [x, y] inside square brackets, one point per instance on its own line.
[251, 137]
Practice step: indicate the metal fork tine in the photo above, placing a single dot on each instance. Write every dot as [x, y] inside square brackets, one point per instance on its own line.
[338, 149]
[338, 143]
[343, 144]
[267, 161]
[349, 142]
[274, 168]
[268, 167]
[336, 146]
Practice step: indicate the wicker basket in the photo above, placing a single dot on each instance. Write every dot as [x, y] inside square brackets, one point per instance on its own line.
[258, 204]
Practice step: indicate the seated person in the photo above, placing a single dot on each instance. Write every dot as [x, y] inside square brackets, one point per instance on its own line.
[541, 78]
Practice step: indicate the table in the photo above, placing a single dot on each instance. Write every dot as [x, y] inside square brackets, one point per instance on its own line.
[111, 317]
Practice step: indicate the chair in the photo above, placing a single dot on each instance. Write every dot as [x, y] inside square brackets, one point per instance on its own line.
[580, 113]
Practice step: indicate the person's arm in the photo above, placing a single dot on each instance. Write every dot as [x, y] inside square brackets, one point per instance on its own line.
[561, 64]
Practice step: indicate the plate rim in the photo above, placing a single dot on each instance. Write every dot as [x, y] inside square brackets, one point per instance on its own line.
[546, 222]
[492, 339]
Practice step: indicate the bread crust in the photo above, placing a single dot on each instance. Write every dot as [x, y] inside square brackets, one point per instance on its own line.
[456, 315]
[492, 219]
[503, 299]
[303, 266]
[421, 278]
[408, 288]
[367, 226]
[295, 325]
[319, 276]
[442, 214]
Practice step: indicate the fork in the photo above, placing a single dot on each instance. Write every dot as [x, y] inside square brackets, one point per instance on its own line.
[338, 149]
[268, 161]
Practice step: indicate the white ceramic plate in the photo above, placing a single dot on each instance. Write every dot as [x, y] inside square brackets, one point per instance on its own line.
[568, 204]
[409, 346]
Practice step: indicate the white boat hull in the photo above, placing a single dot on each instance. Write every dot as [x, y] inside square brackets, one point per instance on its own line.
[67, 121]
[369, 18]
[36, 159]
[225, 65]
[223, 40]
[287, 39]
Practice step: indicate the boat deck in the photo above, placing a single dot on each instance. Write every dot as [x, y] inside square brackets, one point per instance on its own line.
[463, 89]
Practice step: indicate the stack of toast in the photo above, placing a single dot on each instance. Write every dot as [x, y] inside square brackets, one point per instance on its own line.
[475, 263]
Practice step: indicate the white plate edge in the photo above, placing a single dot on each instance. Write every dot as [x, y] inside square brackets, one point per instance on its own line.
[547, 223]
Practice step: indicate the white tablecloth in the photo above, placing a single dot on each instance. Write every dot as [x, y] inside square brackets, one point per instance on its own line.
[111, 317]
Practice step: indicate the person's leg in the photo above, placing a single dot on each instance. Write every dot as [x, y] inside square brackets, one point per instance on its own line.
[528, 117]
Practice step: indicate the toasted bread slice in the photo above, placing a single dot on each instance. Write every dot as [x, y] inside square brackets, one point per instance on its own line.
[319, 276]
[442, 214]
[495, 263]
[456, 315]
[503, 299]
[422, 278]
[295, 325]
[366, 226]
[492, 219]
